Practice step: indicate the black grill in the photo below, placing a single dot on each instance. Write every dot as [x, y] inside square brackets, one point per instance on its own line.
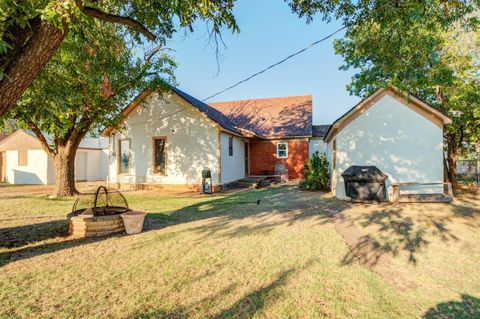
[365, 183]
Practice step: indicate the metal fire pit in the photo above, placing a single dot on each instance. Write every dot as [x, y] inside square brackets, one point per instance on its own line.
[98, 214]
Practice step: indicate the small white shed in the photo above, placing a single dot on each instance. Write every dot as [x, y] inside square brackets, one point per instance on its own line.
[25, 162]
[403, 137]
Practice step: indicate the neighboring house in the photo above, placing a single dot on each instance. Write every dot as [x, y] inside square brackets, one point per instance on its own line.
[23, 160]
[166, 140]
[404, 139]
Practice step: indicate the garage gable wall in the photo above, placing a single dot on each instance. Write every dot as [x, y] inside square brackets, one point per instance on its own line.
[401, 142]
[20, 140]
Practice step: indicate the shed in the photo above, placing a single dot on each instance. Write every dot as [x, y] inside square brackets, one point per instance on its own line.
[23, 161]
[401, 135]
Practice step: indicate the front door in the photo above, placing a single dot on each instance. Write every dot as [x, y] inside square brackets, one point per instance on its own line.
[247, 162]
[3, 166]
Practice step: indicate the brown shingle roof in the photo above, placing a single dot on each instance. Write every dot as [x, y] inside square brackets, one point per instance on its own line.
[274, 117]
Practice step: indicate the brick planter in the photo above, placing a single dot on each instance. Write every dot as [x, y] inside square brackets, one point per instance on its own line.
[94, 226]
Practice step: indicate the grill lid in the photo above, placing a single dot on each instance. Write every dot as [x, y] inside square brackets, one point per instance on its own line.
[364, 173]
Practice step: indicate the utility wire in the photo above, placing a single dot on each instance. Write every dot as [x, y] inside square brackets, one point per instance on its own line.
[277, 63]
[288, 57]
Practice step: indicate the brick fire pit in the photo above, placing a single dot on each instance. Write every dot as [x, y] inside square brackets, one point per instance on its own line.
[98, 214]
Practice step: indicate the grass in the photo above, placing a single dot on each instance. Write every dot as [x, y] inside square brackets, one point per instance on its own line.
[223, 257]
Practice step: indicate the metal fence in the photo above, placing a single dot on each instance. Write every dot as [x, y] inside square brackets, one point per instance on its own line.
[468, 171]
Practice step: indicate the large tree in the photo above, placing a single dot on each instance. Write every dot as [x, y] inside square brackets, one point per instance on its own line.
[433, 61]
[32, 30]
[428, 48]
[91, 77]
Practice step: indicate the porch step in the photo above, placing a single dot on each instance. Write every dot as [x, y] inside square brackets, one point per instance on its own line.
[425, 198]
[255, 182]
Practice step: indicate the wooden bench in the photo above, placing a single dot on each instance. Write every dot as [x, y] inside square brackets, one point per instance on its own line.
[445, 197]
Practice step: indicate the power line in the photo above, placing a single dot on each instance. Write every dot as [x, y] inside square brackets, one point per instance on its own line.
[277, 63]
[288, 57]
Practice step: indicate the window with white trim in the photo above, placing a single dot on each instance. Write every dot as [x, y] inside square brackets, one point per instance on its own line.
[282, 150]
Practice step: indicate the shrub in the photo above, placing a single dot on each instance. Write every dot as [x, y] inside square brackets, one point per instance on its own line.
[316, 173]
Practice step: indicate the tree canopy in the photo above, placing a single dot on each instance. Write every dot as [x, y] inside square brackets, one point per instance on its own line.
[32, 30]
[90, 79]
[427, 49]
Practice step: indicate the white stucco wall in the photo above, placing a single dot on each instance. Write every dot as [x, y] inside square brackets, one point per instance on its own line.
[233, 167]
[316, 144]
[96, 164]
[400, 142]
[192, 143]
[34, 173]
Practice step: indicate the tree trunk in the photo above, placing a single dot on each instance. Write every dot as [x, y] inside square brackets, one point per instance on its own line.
[26, 64]
[64, 162]
[452, 164]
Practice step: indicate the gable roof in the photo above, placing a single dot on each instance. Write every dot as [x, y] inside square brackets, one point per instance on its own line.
[271, 117]
[3, 136]
[31, 141]
[94, 143]
[412, 102]
[320, 130]
[204, 108]
[211, 112]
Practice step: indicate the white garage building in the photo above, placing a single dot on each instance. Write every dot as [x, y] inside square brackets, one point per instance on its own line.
[23, 161]
[401, 136]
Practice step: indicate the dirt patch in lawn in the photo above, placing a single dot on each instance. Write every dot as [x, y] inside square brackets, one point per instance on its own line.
[364, 249]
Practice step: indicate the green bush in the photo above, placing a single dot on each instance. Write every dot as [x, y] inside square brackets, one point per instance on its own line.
[316, 174]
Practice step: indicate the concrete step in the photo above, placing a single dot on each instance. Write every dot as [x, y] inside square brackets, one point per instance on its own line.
[254, 182]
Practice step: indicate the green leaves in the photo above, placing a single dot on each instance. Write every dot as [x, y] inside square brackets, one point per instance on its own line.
[430, 49]
[69, 95]
[316, 173]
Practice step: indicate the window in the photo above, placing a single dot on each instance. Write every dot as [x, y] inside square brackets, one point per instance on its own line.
[282, 150]
[159, 155]
[230, 146]
[124, 156]
[23, 158]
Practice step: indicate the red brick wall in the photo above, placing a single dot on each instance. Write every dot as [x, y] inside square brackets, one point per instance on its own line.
[263, 157]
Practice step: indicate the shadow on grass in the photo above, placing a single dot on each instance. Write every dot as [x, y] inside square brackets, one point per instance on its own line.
[46, 248]
[246, 307]
[291, 204]
[466, 308]
[23, 235]
[396, 230]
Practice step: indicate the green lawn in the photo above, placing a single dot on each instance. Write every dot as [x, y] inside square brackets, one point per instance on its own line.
[222, 256]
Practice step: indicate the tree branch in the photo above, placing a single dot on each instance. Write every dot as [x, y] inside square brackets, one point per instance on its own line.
[43, 141]
[98, 14]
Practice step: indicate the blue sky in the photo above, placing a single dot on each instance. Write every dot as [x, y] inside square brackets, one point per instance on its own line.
[269, 32]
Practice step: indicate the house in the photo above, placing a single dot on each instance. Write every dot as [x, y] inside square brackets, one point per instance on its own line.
[316, 142]
[166, 140]
[23, 161]
[401, 136]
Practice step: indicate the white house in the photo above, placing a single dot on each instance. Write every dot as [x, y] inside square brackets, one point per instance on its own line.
[403, 137]
[167, 139]
[23, 161]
